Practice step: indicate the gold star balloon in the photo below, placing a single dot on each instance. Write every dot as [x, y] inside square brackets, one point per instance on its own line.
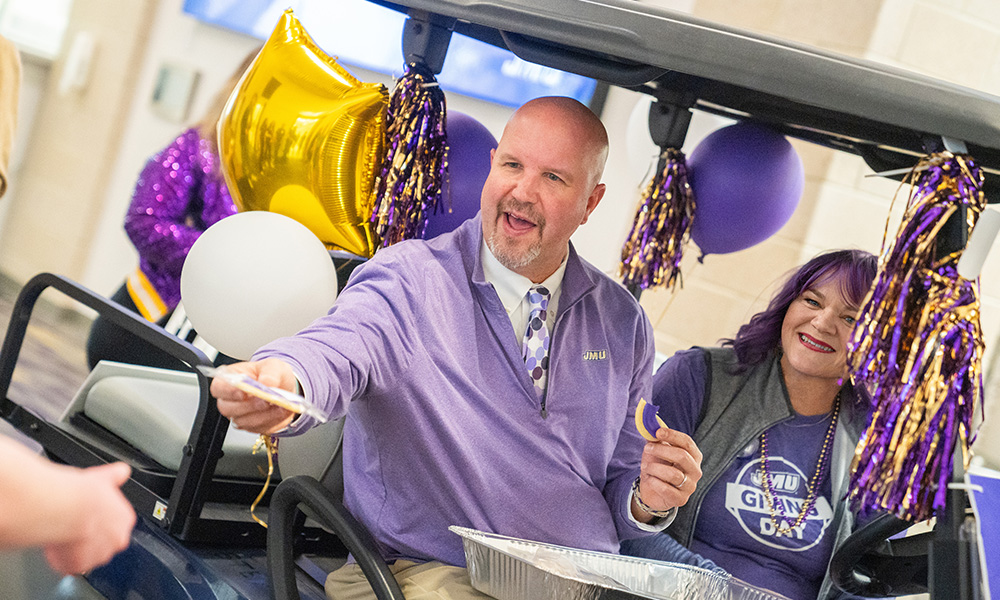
[300, 136]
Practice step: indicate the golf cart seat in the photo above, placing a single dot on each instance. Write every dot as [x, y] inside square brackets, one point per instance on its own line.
[128, 399]
[153, 410]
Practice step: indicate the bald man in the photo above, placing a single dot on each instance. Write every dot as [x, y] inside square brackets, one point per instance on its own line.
[456, 415]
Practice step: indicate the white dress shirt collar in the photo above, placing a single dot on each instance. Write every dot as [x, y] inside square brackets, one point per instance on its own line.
[512, 287]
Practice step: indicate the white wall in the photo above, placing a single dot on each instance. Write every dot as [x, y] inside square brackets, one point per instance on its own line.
[52, 212]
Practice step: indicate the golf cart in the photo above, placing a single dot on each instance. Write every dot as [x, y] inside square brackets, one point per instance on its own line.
[194, 476]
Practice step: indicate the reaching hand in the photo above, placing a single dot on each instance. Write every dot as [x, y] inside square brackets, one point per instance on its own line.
[249, 412]
[79, 516]
[100, 518]
[669, 472]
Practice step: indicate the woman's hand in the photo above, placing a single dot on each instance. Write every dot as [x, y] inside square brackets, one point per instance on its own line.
[669, 472]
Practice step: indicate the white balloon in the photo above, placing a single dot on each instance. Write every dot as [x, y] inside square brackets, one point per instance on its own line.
[254, 277]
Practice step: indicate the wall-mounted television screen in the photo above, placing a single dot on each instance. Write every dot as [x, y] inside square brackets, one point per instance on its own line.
[367, 35]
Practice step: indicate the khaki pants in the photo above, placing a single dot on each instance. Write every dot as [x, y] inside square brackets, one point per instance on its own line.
[419, 581]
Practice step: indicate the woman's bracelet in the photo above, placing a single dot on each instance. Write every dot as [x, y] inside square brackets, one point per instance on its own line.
[660, 514]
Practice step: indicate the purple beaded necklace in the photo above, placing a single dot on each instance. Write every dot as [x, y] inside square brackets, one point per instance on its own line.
[767, 485]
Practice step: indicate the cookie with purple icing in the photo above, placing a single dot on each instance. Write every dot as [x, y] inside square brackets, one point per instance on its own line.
[647, 419]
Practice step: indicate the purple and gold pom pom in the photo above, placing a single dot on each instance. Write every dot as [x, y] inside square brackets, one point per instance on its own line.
[408, 187]
[647, 420]
[653, 250]
[918, 349]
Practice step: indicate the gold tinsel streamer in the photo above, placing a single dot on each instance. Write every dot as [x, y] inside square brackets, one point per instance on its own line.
[652, 253]
[409, 184]
[269, 443]
[918, 349]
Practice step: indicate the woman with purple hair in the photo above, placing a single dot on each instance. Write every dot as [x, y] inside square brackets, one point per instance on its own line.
[777, 420]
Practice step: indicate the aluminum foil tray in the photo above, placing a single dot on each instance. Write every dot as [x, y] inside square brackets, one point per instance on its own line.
[514, 569]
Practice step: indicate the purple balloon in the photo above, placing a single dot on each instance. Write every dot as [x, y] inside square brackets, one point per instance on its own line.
[468, 165]
[747, 180]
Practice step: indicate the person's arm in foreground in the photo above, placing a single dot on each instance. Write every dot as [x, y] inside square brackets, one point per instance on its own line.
[79, 516]
[364, 333]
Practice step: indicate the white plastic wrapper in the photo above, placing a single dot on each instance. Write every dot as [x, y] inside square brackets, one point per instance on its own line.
[514, 569]
[272, 395]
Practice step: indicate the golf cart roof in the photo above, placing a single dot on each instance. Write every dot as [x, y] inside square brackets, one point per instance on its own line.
[887, 115]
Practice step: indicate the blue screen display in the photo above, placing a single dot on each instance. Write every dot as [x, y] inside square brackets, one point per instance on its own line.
[367, 35]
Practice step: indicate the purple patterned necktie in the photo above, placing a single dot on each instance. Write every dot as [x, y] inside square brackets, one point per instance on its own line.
[536, 338]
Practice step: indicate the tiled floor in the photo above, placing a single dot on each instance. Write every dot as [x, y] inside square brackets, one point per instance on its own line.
[52, 362]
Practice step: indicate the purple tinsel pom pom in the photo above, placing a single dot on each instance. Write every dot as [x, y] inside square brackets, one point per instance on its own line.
[653, 250]
[408, 186]
[918, 349]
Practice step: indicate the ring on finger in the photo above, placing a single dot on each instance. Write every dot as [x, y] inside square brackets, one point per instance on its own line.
[683, 481]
